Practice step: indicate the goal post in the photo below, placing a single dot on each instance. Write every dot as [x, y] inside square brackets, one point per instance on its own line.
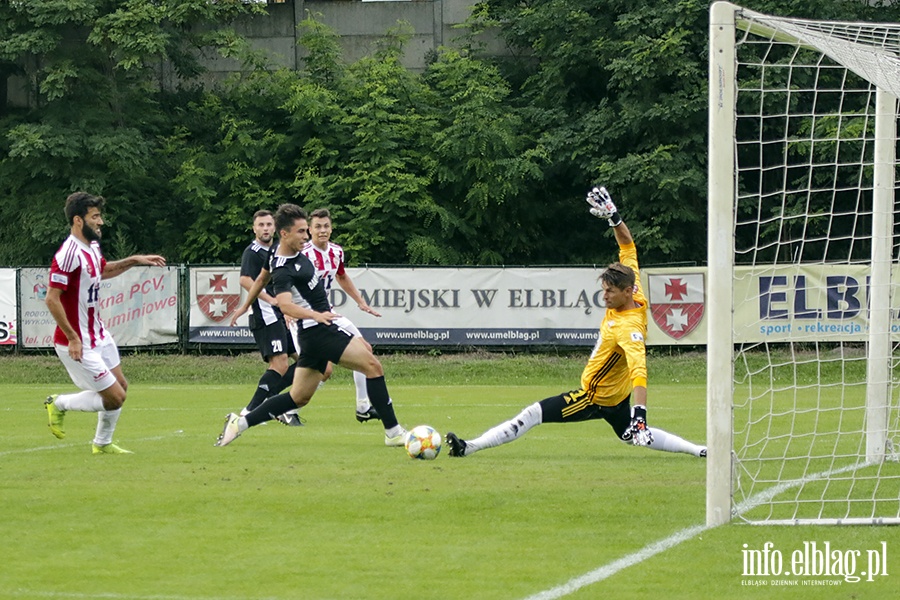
[720, 266]
[802, 408]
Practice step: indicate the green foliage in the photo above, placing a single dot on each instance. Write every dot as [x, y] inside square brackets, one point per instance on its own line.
[95, 117]
[470, 162]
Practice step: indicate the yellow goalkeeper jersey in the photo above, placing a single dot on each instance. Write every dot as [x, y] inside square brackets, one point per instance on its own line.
[619, 359]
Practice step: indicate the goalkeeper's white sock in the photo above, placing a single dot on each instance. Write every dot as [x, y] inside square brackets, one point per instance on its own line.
[86, 401]
[106, 426]
[669, 442]
[507, 431]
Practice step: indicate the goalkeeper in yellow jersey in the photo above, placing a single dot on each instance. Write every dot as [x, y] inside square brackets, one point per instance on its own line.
[614, 381]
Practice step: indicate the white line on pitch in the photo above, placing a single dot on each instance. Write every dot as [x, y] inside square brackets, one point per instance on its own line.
[76, 445]
[607, 571]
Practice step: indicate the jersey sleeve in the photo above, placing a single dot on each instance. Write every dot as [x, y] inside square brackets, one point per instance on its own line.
[59, 277]
[251, 263]
[342, 261]
[628, 257]
[631, 340]
[281, 280]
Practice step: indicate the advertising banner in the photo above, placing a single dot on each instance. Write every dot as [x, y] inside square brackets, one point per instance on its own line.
[215, 293]
[139, 307]
[814, 303]
[8, 335]
[467, 306]
[494, 306]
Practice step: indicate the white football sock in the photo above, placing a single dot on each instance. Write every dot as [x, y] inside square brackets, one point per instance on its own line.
[393, 431]
[362, 392]
[669, 442]
[507, 431]
[86, 401]
[106, 426]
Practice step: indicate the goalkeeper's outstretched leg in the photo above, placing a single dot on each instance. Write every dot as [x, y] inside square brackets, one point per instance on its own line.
[669, 442]
[614, 381]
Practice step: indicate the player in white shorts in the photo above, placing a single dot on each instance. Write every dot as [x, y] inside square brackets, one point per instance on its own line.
[328, 259]
[82, 342]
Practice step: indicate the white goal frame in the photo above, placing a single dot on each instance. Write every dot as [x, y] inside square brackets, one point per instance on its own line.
[728, 23]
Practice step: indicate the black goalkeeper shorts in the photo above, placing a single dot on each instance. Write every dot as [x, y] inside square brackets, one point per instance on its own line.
[574, 406]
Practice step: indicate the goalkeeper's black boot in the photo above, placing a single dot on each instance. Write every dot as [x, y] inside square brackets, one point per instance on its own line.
[457, 445]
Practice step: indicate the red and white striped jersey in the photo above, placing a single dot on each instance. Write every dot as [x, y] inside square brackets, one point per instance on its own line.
[77, 270]
[328, 263]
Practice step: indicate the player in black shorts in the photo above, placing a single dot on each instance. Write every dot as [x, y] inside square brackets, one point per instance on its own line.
[301, 295]
[274, 340]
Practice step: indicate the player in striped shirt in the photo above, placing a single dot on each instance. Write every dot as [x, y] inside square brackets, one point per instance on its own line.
[328, 259]
[82, 342]
[614, 381]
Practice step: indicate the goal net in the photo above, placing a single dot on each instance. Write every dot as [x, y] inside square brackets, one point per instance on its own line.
[804, 311]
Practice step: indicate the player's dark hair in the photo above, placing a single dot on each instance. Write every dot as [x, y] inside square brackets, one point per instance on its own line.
[287, 215]
[78, 204]
[261, 213]
[618, 276]
[320, 213]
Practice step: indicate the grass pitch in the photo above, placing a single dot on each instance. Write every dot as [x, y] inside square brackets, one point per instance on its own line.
[328, 512]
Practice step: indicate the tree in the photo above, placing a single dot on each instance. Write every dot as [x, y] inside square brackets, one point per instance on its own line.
[616, 91]
[95, 113]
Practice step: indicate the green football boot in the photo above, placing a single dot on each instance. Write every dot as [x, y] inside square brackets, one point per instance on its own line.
[56, 417]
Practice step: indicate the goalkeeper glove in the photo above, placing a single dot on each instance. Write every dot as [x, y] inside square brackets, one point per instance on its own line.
[602, 206]
[640, 433]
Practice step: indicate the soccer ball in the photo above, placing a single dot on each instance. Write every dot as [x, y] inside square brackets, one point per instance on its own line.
[423, 442]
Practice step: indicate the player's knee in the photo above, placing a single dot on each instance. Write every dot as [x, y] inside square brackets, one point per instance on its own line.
[279, 363]
[114, 399]
[375, 367]
[533, 414]
[301, 397]
[371, 367]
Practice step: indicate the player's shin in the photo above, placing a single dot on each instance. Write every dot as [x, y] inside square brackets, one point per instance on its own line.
[106, 426]
[381, 400]
[507, 431]
[271, 408]
[669, 442]
[86, 401]
[287, 379]
[269, 385]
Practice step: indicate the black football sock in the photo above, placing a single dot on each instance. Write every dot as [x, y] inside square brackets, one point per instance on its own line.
[286, 380]
[271, 408]
[267, 386]
[381, 400]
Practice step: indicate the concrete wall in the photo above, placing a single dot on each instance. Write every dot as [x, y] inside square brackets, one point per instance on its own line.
[359, 23]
